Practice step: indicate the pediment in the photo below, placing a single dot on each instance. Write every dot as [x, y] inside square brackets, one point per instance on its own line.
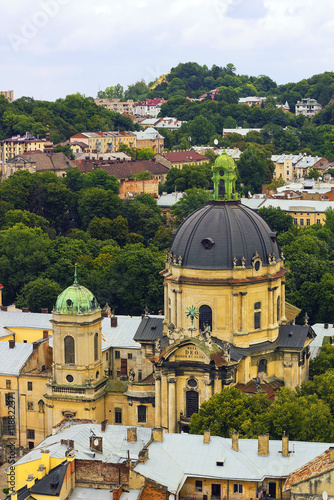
[189, 351]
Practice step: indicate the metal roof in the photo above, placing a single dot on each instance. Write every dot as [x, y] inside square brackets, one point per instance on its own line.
[180, 456]
[321, 332]
[294, 205]
[19, 319]
[150, 329]
[167, 200]
[12, 360]
[235, 232]
[80, 493]
[115, 446]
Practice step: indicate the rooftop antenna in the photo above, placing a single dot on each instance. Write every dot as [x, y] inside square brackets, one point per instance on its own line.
[75, 274]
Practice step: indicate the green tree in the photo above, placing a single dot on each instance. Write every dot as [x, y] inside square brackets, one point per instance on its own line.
[97, 202]
[313, 173]
[39, 293]
[100, 178]
[254, 169]
[190, 201]
[276, 219]
[324, 361]
[201, 129]
[64, 149]
[13, 217]
[163, 238]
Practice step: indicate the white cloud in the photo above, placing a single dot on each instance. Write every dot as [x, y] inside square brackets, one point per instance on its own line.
[103, 42]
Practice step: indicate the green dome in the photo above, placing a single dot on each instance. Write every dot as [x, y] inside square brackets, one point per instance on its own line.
[76, 299]
[223, 161]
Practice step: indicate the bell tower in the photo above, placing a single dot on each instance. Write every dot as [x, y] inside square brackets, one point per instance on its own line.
[77, 370]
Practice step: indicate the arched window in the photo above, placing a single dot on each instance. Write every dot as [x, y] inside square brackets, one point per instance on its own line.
[278, 308]
[262, 366]
[192, 403]
[69, 350]
[205, 317]
[257, 315]
[96, 346]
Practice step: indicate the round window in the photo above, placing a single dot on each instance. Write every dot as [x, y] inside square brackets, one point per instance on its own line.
[69, 302]
[192, 382]
[69, 378]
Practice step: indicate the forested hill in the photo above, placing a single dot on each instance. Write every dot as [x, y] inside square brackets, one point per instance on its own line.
[62, 118]
[192, 80]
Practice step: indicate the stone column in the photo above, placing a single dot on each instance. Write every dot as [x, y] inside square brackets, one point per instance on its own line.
[164, 400]
[216, 385]
[235, 312]
[270, 308]
[208, 388]
[179, 310]
[158, 399]
[172, 404]
[173, 307]
[283, 317]
[243, 312]
[166, 301]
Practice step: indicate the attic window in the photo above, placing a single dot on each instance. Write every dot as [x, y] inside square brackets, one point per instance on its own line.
[220, 463]
[153, 327]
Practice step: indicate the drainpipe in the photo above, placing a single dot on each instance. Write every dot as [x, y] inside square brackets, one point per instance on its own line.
[228, 490]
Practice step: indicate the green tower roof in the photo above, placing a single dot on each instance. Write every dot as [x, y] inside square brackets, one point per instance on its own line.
[76, 299]
[224, 176]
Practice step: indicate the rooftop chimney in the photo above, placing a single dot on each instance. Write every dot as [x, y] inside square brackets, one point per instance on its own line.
[157, 434]
[40, 472]
[207, 436]
[25, 309]
[285, 445]
[331, 454]
[45, 459]
[45, 310]
[263, 444]
[113, 321]
[11, 344]
[104, 425]
[131, 434]
[235, 441]
[35, 346]
[143, 456]
[45, 334]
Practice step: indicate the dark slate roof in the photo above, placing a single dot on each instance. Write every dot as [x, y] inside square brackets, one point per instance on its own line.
[233, 230]
[52, 483]
[149, 330]
[22, 493]
[289, 337]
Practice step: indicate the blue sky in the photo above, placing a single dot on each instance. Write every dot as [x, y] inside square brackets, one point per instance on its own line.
[51, 48]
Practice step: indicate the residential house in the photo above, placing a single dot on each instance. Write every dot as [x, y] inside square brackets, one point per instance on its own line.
[105, 142]
[252, 100]
[313, 480]
[18, 145]
[187, 466]
[56, 162]
[304, 212]
[150, 138]
[177, 159]
[116, 105]
[99, 457]
[307, 107]
[149, 107]
[294, 167]
[8, 94]
[239, 130]
[166, 123]
[124, 170]
[165, 202]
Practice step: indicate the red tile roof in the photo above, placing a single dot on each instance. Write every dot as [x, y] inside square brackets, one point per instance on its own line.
[122, 170]
[315, 467]
[186, 156]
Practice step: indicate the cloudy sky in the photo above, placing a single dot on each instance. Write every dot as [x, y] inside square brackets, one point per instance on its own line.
[51, 48]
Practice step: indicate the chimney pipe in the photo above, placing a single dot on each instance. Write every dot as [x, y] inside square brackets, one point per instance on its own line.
[25, 309]
[45, 310]
[35, 346]
[11, 344]
[45, 334]
[207, 436]
[285, 445]
[235, 441]
[263, 444]
[157, 434]
[104, 425]
[331, 454]
[131, 434]
[113, 321]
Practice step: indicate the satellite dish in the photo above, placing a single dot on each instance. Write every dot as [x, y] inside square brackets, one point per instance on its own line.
[324, 495]
[215, 142]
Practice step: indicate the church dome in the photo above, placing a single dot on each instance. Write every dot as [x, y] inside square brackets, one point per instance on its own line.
[224, 235]
[76, 299]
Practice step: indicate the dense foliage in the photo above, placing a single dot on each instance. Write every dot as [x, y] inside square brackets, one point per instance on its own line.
[301, 414]
[62, 118]
[48, 224]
